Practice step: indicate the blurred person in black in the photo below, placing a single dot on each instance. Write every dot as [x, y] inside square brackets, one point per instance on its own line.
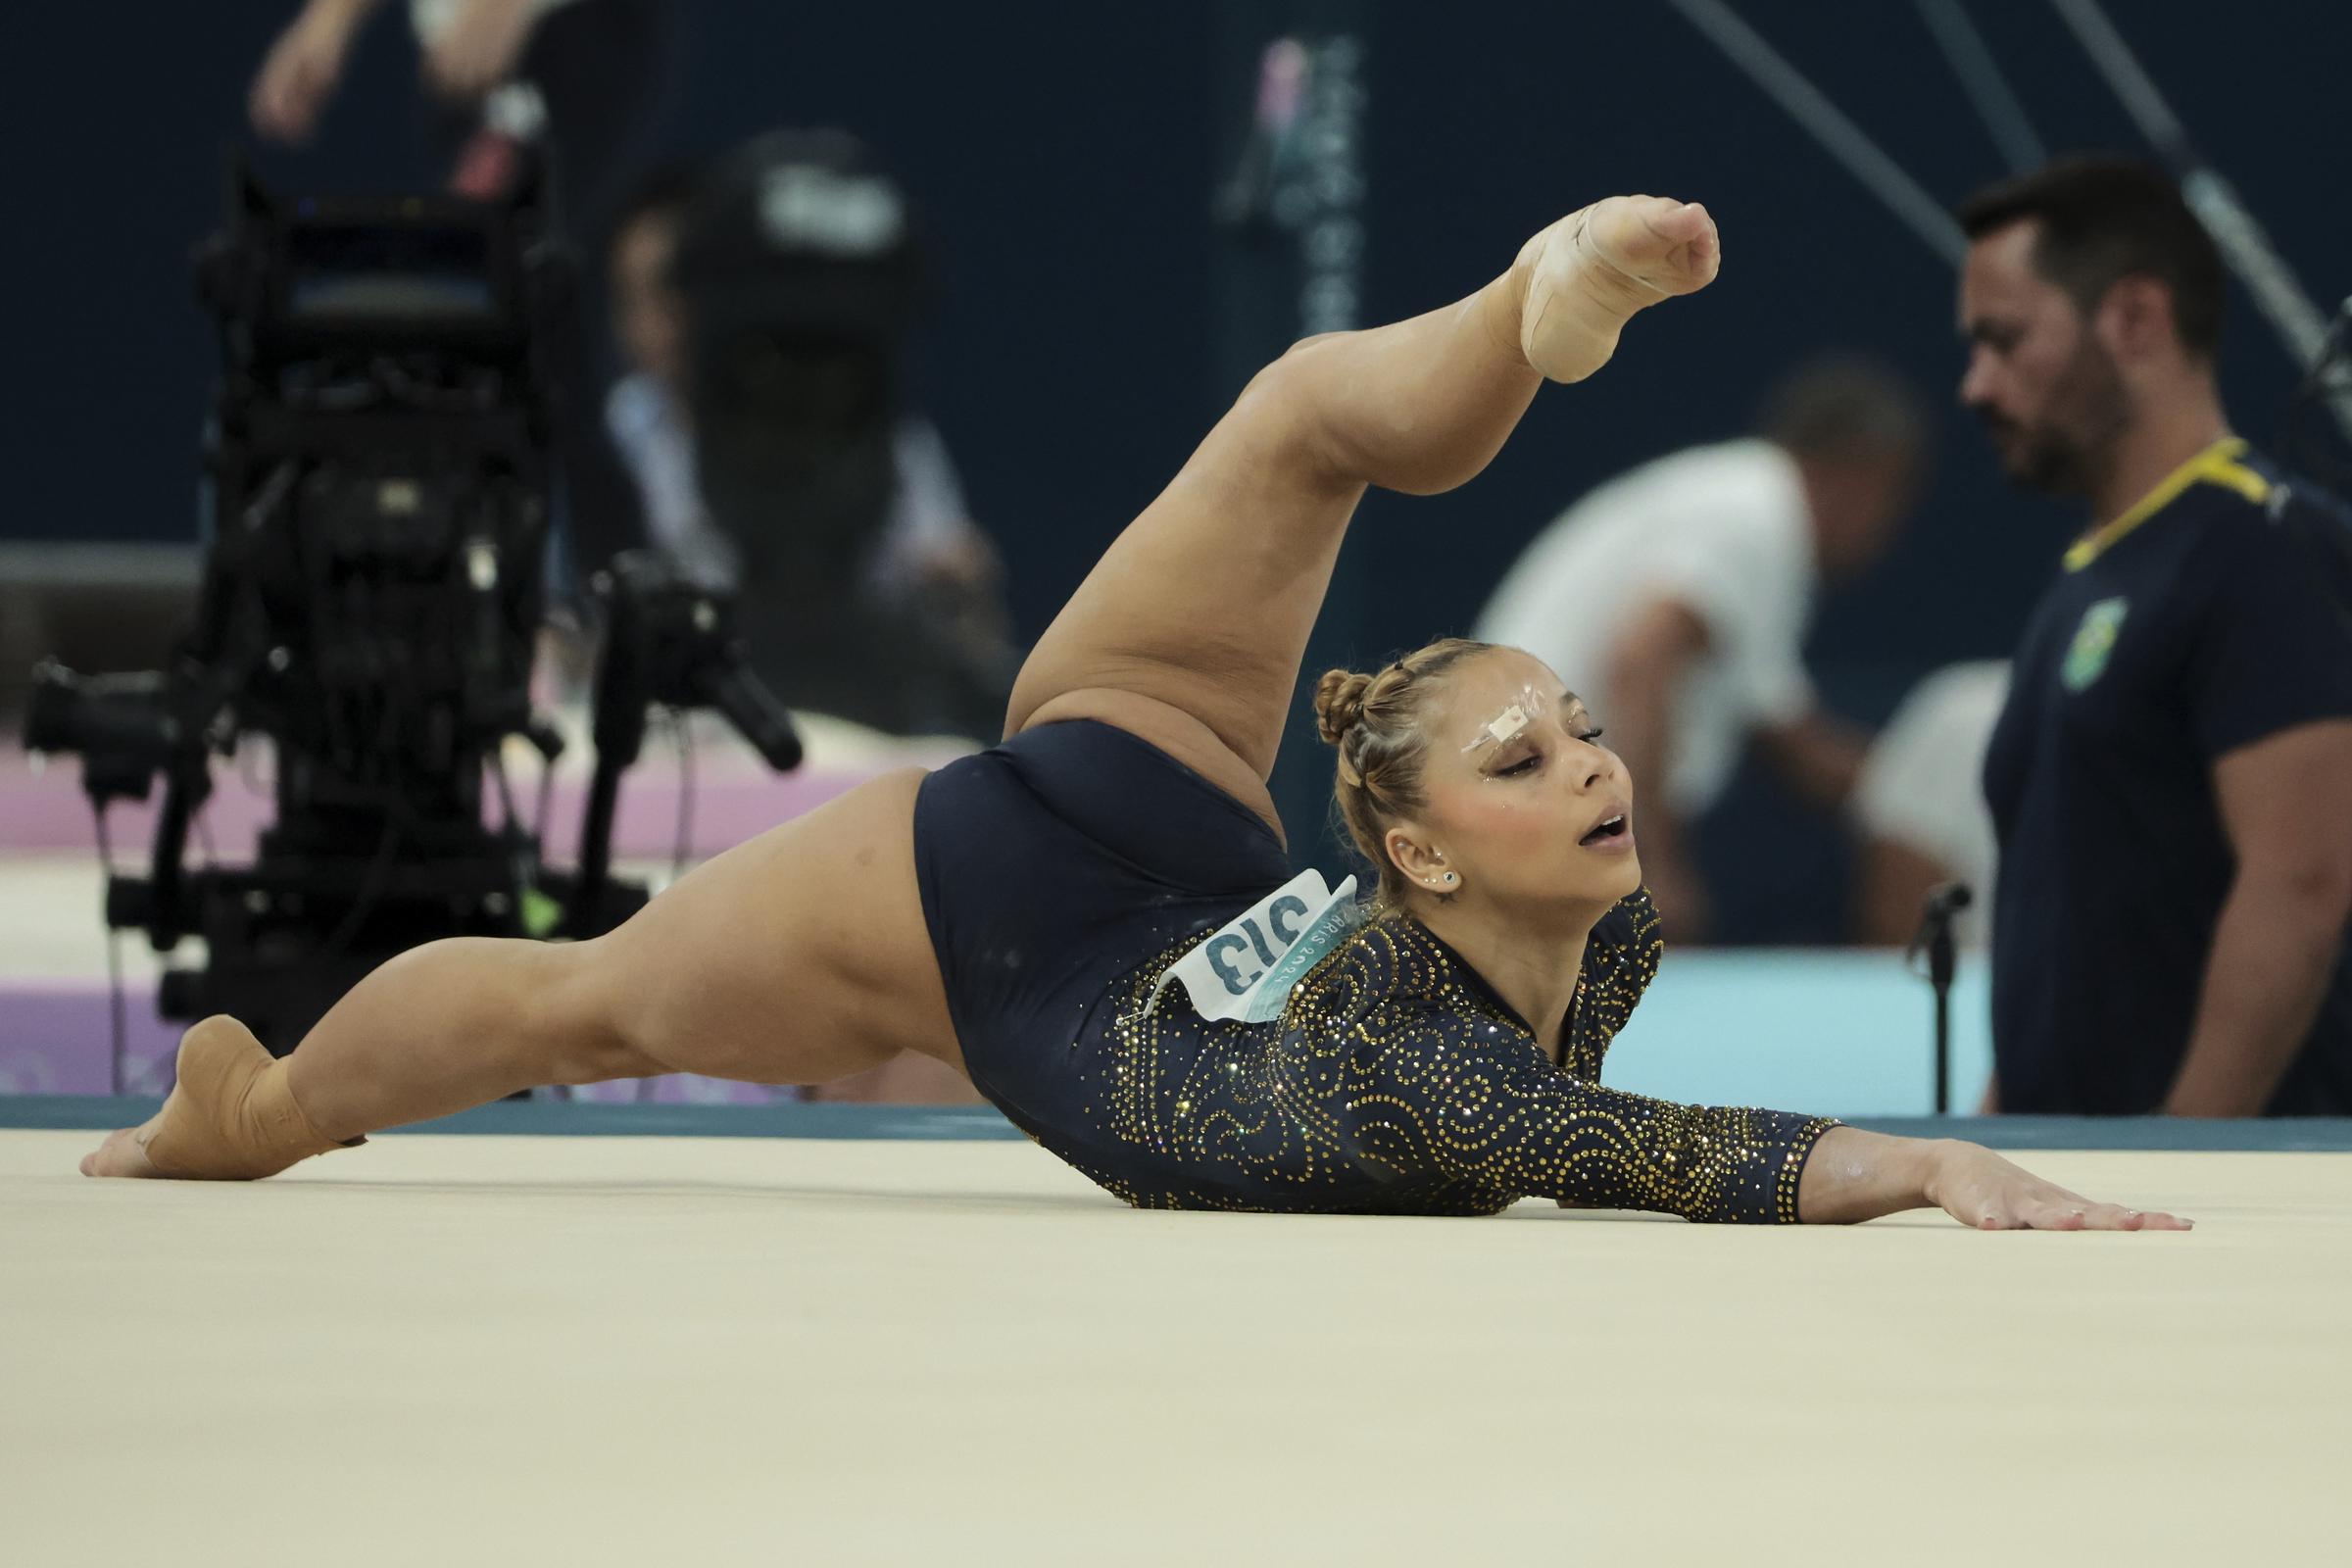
[930, 545]
[645, 409]
[930, 573]
[504, 80]
[2171, 776]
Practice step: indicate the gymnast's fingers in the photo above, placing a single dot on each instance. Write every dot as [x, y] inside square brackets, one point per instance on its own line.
[1984, 1192]
[2115, 1218]
[1979, 1211]
[2063, 1211]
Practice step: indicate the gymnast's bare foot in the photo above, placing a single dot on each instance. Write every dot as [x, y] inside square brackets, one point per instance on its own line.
[229, 1118]
[125, 1152]
[1588, 274]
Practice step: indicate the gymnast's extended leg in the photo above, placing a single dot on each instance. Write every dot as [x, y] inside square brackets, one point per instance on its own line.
[800, 957]
[1190, 630]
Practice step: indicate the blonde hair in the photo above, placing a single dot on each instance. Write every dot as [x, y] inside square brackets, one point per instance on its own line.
[1374, 723]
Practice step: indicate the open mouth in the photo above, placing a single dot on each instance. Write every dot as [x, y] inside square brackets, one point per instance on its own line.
[1612, 831]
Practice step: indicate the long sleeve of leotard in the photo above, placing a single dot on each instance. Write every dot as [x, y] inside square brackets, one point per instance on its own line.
[1451, 1096]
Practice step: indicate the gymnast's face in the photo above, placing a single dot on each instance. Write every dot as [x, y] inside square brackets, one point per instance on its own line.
[2039, 373]
[1523, 802]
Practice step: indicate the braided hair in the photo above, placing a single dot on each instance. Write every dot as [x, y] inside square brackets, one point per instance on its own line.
[1374, 723]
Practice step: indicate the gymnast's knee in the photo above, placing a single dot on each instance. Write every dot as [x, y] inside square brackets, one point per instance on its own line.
[588, 1027]
[1285, 408]
[1294, 407]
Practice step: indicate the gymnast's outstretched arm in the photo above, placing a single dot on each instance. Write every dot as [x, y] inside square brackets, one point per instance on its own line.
[1438, 1101]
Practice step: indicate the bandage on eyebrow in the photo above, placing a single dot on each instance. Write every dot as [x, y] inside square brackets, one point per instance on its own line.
[1506, 726]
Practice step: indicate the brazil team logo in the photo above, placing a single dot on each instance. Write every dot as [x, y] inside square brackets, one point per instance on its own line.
[2094, 640]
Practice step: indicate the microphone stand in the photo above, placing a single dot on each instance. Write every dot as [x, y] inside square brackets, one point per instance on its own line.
[1934, 938]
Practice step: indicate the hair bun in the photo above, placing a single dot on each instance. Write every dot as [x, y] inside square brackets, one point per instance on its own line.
[1340, 704]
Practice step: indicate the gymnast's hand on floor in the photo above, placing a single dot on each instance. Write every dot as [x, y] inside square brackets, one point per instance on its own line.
[1588, 274]
[1978, 1187]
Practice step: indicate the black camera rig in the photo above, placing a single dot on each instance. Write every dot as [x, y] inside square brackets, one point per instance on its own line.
[377, 486]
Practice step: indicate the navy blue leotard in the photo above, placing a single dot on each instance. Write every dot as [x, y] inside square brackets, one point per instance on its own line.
[1066, 870]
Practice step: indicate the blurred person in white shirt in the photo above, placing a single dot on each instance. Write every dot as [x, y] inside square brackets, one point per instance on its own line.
[1918, 807]
[1676, 599]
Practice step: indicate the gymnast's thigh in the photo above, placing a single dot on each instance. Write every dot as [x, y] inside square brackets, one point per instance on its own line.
[796, 958]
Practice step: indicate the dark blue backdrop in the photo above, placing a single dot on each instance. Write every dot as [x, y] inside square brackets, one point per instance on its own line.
[1065, 155]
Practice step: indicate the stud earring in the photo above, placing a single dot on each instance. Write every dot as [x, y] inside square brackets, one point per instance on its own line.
[1451, 879]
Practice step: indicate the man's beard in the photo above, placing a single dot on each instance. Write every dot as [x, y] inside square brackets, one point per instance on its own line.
[2070, 449]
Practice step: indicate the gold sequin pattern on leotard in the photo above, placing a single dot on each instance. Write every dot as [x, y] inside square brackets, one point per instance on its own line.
[1396, 1082]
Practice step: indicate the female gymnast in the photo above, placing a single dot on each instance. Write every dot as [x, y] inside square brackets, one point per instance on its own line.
[1015, 914]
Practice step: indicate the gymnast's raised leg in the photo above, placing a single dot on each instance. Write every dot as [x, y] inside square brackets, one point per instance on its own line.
[802, 955]
[1190, 630]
